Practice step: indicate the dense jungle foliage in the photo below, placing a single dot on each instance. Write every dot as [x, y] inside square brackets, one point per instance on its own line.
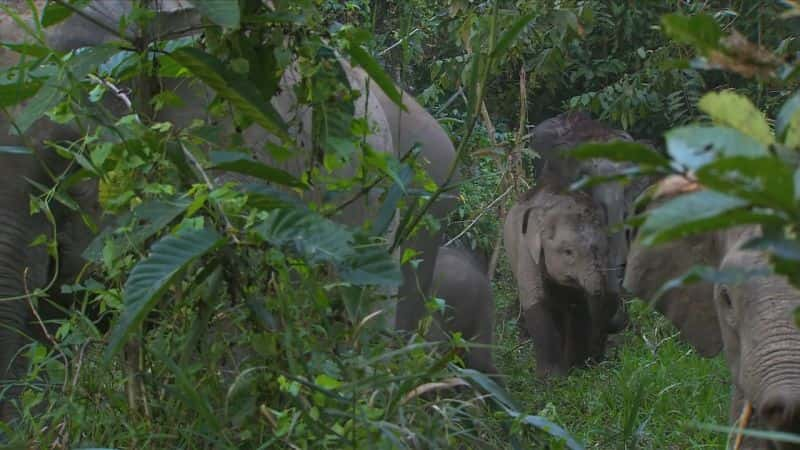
[238, 316]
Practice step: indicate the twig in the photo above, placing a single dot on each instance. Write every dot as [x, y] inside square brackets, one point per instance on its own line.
[427, 387]
[389, 48]
[744, 419]
[450, 100]
[475, 220]
[196, 163]
[117, 91]
[33, 309]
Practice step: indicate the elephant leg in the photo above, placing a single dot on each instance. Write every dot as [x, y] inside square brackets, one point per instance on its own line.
[541, 323]
[417, 282]
[577, 329]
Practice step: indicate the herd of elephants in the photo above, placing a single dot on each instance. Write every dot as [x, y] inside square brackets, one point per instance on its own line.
[570, 255]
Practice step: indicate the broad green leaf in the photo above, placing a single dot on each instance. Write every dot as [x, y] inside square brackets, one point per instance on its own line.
[787, 124]
[152, 276]
[371, 266]
[737, 111]
[265, 197]
[315, 237]
[510, 35]
[37, 51]
[243, 163]
[55, 89]
[693, 213]
[319, 240]
[376, 73]
[223, 13]
[143, 222]
[239, 91]
[54, 12]
[15, 150]
[708, 274]
[781, 247]
[620, 151]
[765, 181]
[699, 30]
[695, 146]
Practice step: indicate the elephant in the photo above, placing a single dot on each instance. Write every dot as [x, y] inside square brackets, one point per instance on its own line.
[459, 279]
[558, 246]
[393, 130]
[751, 321]
[550, 138]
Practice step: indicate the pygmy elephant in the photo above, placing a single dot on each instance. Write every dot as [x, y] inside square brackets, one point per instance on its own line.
[460, 280]
[393, 130]
[551, 139]
[558, 245]
[754, 322]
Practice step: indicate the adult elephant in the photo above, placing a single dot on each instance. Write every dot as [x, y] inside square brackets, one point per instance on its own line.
[550, 139]
[25, 269]
[752, 321]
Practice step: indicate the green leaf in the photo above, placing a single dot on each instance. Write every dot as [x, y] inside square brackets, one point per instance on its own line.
[55, 89]
[695, 146]
[376, 73]
[700, 30]
[708, 274]
[264, 197]
[15, 150]
[246, 164]
[192, 396]
[737, 111]
[222, 13]
[787, 124]
[510, 35]
[143, 222]
[620, 151]
[37, 51]
[693, 213]
[54, 12]
[234, 88]
[319, 240]
[152, 276]
[765, 181]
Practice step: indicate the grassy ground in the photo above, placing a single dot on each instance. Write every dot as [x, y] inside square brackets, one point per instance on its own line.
[648, 394]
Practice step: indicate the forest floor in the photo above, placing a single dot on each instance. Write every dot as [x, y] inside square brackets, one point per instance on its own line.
[652, 391]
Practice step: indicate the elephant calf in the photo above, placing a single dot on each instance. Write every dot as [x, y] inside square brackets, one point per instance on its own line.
[459, 279]
[558, 244]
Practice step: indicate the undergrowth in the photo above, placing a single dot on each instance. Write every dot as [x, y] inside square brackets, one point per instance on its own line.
[650, 392]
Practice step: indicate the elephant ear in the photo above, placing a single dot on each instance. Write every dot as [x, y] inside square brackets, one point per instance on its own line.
[534, 239]
[691, 309]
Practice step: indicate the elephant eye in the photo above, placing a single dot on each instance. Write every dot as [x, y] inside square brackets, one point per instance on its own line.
[568, 252]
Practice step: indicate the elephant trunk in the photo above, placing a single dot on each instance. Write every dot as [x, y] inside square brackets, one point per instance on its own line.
[21, 267]
[770, 364]
[602, 307]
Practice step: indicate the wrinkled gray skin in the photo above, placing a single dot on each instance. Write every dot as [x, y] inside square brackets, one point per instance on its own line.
[459, 279]
[558, 248]
[550, 139]
[689, 308]
[393, 132]
[752, 322]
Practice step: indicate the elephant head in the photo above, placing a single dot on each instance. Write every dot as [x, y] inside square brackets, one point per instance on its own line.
[761, 341]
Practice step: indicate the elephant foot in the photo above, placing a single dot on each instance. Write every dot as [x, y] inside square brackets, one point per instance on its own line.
[545, 372]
